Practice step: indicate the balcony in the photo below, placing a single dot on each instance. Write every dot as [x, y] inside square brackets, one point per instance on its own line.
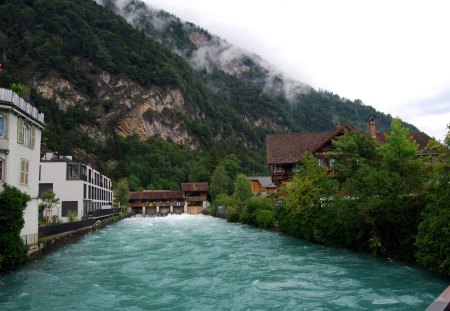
[280, 176]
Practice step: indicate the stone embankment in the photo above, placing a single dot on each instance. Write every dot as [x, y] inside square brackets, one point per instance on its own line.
[49, 244]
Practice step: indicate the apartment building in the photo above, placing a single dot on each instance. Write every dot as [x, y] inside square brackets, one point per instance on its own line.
[20, 141]
[80, 188]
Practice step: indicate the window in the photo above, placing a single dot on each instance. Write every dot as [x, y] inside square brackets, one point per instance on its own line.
[24, 169]
[26, 134]
[20, 124]
[32, 137]
[2, 126]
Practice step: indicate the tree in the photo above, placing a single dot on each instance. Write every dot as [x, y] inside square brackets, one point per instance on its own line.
[352, 150]
[242, 188]
[232, 167]
[13, 252]
[48, 202]
[433, 236]
[310, 186]
[399, 155]
[219, 182]
[121, 192]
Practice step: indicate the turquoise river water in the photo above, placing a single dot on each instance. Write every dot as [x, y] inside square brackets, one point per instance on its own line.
[204, 263]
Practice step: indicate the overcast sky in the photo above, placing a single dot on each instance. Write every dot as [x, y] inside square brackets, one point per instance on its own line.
[393, 55]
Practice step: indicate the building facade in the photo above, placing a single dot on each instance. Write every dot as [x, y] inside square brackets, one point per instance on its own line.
[192, 198]
[79, 187]
[20, 147]
[284, 151]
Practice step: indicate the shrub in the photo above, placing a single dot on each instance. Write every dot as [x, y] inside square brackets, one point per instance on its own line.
[72, 216]
[264, 218]
[12, 250]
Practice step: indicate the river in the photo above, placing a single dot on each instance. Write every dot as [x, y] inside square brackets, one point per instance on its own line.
[204, 263]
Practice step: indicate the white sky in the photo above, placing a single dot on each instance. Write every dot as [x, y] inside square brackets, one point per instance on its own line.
[393, 55]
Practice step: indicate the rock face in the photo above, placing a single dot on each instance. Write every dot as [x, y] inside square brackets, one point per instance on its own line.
[61, 91]
[145, 111]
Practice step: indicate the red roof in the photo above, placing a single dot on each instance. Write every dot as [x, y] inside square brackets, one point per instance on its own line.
[197, 186]
[289, 148]
[156, 195]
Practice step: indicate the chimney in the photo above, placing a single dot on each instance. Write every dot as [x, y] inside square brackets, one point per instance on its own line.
[338, 124]
[372, 128]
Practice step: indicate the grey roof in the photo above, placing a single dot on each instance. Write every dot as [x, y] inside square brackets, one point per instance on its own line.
[264, 181]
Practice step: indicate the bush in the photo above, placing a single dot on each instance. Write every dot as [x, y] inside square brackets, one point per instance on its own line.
[432, 241]
[12, 250]
[72, 216]
[264, 218]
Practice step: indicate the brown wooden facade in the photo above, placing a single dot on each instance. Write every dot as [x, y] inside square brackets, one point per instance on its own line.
[284, 151]
[191, 199]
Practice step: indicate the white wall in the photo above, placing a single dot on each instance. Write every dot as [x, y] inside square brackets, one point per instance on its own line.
[16, 153]
[65, 190]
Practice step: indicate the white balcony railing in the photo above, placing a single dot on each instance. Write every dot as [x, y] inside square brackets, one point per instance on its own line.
[11, 97]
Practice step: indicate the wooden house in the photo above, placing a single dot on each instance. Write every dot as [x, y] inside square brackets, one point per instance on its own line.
[284, 151]
[262, 185]
[192, 198]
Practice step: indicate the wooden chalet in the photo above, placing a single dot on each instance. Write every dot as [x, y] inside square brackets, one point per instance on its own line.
[196, 196]
[284, 151]
[192, 198]
[262, 184]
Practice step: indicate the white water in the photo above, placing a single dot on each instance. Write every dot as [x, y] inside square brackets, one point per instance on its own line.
[204, 263]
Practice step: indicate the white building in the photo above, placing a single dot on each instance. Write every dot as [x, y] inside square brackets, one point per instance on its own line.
[79, 187]
[20, 141]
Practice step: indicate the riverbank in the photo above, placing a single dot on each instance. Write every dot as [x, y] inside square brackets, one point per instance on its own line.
[186, 262]
[49, 244]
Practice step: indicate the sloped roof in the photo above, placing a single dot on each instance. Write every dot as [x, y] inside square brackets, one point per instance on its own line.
[264, 181]
[156, 195]
[289, 148]
[197, 186]
[421, 138]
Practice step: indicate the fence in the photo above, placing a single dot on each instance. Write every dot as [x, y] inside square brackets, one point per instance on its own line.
[10, 96]
[29, 239]
[104, 212]
[70, 226]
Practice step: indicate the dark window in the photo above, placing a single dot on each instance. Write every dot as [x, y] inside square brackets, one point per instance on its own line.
[69, 206]
[45, 187]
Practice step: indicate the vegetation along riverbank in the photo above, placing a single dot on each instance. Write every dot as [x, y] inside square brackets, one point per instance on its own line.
[380, 199]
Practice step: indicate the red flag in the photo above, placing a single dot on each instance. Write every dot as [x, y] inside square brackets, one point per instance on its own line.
[1, 68]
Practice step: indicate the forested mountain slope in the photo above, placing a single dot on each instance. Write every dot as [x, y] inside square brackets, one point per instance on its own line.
[118, 97]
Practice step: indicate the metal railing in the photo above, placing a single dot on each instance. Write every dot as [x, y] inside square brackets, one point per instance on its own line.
[30, 239]
[11, 97]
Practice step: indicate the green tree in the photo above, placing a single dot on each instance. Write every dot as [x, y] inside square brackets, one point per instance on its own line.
[242, 188]
[48, 202]
[13, 252]
[232, 167]
[433, 236]
[310, 187]
[121, 192]
[219, 182]
[353, 150]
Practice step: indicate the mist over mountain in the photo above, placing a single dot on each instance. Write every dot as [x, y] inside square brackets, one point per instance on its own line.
[149, 97]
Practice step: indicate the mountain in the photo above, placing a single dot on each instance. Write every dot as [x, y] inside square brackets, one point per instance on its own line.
[149, 97]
